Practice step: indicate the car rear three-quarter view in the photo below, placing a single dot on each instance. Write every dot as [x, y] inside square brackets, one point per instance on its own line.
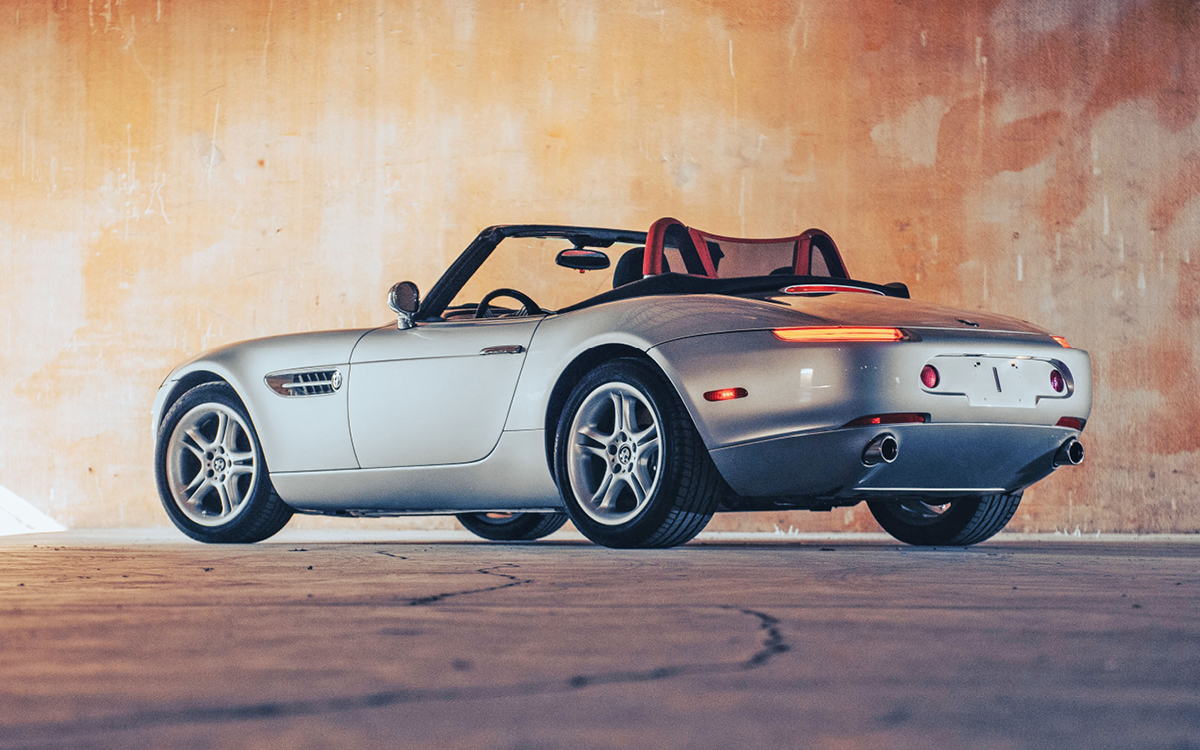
[696, 374]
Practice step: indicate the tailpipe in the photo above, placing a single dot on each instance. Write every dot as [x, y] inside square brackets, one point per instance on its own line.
[1069, 453]
[881, 450]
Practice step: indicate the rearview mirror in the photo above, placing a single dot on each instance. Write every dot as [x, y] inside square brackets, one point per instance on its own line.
[582, 259]
[404, 299]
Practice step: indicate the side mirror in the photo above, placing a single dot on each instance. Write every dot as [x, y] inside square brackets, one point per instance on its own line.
[582, 259]
[404, 299]
[898, 289]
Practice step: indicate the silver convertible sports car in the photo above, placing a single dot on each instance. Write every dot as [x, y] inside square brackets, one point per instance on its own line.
[635, 383]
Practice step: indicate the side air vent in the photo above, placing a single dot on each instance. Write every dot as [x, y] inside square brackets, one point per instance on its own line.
[305, 382]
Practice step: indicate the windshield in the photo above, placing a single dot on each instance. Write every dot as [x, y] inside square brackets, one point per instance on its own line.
[527, 265]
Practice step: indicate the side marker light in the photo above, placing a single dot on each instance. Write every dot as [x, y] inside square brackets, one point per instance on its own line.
[1075, 423]
[725, 394]
[1061, 342]
[824, 334]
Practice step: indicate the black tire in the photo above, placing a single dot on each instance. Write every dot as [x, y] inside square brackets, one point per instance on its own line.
[512, 527]
[687, 486]
[968, 520]
[259, 515]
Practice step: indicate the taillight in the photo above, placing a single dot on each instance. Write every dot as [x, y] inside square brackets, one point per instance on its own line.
[725, 394]
[838, 333]
[1061, 342]
[902, 418]
[1057, 382]
[929, 376]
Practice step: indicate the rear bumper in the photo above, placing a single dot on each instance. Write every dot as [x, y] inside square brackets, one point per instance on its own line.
[934, 459]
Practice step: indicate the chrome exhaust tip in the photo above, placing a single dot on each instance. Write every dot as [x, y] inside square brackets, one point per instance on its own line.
[882, 450]
[1069, 454]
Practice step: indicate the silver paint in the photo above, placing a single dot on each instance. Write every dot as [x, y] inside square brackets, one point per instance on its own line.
[427, 422]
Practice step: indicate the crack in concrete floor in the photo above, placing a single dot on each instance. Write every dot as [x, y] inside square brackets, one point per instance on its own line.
[1023, 644]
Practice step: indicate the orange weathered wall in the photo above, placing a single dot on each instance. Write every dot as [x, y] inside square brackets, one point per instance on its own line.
[178, 175]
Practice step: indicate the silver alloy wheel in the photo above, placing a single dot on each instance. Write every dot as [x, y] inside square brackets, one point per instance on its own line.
[211, 466]
[614, 459]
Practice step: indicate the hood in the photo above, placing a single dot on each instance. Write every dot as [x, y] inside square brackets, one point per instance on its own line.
[285, 352]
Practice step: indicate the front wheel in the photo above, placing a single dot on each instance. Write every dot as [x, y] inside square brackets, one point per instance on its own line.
[512, 527]
[938, 522]
[212, 476]
[632, 470]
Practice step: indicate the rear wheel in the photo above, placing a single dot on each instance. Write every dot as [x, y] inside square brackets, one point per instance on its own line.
[211, 473]
[632, 470]
[512, 527]
[936, 522]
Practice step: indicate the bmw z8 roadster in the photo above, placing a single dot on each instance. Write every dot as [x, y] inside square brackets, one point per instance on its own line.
[634, 383]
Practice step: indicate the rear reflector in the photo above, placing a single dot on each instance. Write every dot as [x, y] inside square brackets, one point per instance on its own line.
[838, 333]
[929, 376]
[725, 394]
[1075, 423]
[904, 418]
[1061, 342]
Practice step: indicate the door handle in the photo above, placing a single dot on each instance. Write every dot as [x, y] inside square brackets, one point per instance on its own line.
[509, 349]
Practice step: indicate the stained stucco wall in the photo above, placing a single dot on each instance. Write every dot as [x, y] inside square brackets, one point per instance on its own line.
[177, 175]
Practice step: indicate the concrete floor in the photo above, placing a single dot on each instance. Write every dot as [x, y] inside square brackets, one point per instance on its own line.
[825, 643]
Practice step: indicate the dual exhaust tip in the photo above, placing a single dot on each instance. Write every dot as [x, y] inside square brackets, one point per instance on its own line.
[884, 449]
[881, 450]
[1069, 453]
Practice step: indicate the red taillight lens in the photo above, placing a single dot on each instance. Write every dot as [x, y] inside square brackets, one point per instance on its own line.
[1061, 342]
[824, 334]
[1057, 382]
[725, 394]
[1075, 423]
[903, 418]
[929, 376]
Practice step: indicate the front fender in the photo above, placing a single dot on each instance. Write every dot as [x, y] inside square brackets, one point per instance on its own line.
[297, 433]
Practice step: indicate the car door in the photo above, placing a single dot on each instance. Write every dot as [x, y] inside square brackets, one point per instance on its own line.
[434, 394]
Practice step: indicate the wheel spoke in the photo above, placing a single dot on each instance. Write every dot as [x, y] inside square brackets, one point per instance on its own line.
[634, 481]
[649, 447]
[236, 470]
[223, 492]
[591, 433]
[628, 413]
[231, 435]
[196, 481]
[605, 492]
[198, 439]
[240, 458]
[203, 487]
[642, 471]
[618, 412]
[646, 436]
[595, 451]
[198, 453]
[231, 489]
[222, 428]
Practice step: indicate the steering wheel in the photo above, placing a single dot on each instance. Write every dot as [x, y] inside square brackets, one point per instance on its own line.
[528, 306]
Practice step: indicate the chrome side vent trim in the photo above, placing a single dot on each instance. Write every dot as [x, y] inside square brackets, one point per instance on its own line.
[304, 382]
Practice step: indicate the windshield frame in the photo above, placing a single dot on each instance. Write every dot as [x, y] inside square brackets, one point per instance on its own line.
[472, 258]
